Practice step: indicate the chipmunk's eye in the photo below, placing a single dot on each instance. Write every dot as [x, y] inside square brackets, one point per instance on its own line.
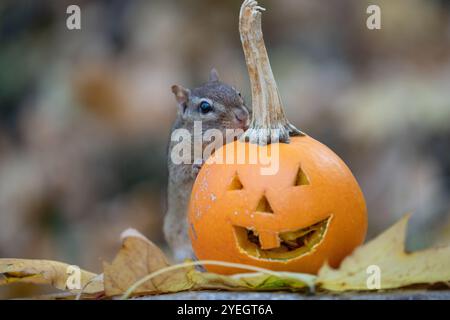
[205, 107]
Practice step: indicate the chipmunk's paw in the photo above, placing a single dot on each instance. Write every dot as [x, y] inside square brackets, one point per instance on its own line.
[196, 167]
[183, 254]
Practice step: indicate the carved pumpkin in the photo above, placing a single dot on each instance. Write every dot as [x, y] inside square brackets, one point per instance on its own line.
[309, 212]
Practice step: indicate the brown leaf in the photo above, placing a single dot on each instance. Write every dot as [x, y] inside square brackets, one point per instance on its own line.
[137, 258]
[45, 272]
[256, 281]
[397, 267]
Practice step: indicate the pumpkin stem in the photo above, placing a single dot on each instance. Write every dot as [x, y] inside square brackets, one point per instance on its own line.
[269, 123]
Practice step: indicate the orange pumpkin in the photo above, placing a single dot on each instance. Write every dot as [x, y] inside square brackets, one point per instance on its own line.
[309, 212]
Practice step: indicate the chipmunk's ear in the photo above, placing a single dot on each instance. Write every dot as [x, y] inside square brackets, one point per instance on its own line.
[213, 75]
[181, 93]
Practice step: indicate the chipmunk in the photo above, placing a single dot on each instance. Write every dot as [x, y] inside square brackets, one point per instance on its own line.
[218, 106]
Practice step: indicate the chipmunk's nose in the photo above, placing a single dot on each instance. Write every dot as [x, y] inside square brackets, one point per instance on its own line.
[242, 116]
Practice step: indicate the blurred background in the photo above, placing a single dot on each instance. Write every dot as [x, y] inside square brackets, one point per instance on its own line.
[85, 115]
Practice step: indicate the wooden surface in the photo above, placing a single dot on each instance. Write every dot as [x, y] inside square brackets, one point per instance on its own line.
[391, 295]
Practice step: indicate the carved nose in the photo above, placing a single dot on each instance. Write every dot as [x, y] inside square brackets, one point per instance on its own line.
[269, 240]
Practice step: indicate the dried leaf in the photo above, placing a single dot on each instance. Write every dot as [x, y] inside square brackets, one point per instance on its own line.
[45, 272]
[137, 258]
[253, 281]
[397, 268]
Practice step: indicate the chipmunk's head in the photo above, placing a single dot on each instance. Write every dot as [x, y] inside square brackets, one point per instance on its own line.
[216, 104]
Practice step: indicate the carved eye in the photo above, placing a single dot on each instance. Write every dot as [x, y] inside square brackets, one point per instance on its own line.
[205, 107]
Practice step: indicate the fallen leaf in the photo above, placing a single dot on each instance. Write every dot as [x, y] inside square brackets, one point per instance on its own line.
[257, 281]
[45, 272]
[139, 261]
[397, 267]
[137, 258]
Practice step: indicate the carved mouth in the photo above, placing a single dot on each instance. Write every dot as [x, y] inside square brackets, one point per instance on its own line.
[293, 244]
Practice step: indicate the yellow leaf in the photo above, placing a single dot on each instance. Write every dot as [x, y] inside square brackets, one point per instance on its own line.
[47, 272]
[386, 254]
